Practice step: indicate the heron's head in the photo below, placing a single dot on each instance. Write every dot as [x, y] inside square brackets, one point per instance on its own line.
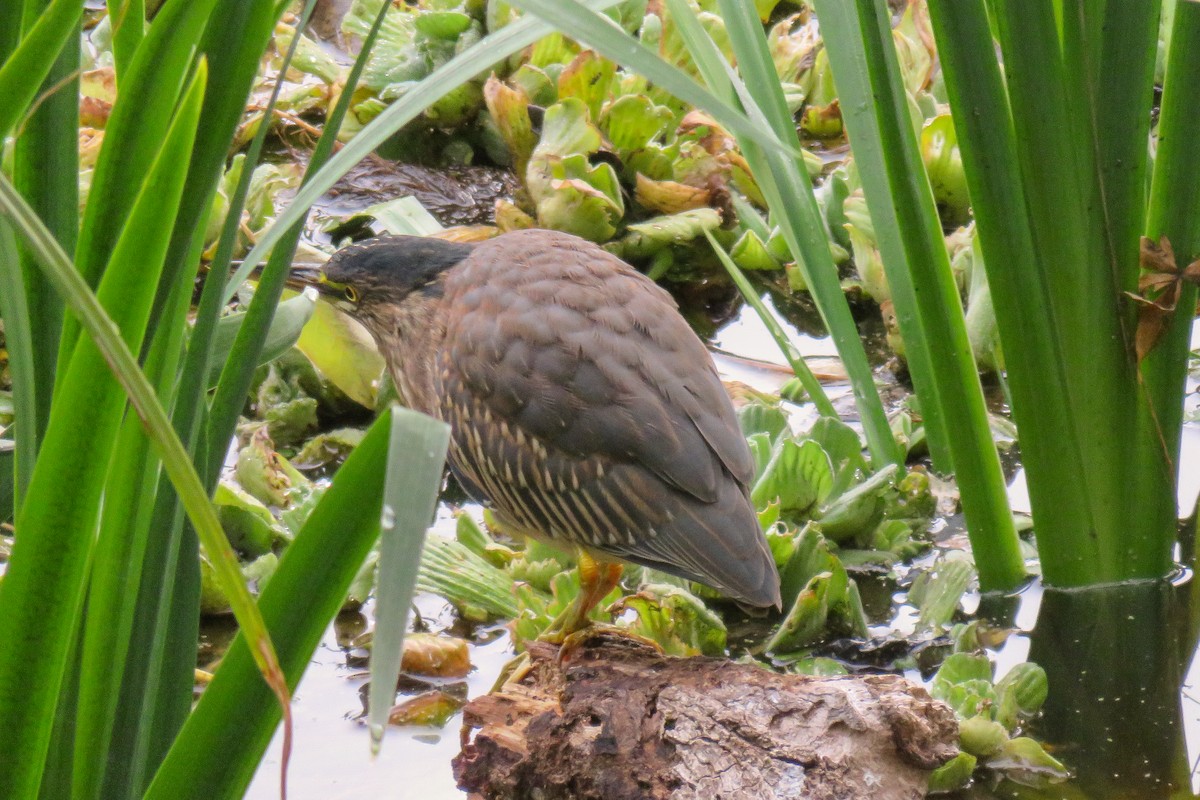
[378, 278]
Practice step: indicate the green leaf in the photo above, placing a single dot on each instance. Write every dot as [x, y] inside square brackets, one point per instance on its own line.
[1028, 685]
[256, 574]
[937, 593]
[509, 109]
[677, 620]
[799, 475]
[749, 252]
[326, 448]
[965, 682]
[470, 534]
[633, 121]
[757, 417]
[477, 589]
[805, 621]
[566, 130]
[939, 149]
[416, 455]
[855, 513]
[810, 556]
[343, 352]
[981, 736]
[538, 88]
[209, 757]
[953, 775]
[442, 24]
[818, 666]
[646, 238]
[22, 73]
[404, 215]
[1026, 762]
[960, 667]
[844, 448]
[290, 318]
[589, 78]
[248, 523]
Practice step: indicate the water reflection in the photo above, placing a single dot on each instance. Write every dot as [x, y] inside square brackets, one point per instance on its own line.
[1120, 711]
[1113, 657]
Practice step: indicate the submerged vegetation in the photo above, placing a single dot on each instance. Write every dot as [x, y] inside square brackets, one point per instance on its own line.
[1010, 190]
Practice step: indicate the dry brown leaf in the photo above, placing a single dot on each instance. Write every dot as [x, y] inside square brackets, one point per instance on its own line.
[669, 197]
[1159, 286]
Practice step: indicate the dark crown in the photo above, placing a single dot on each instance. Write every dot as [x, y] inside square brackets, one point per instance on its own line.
[397, 262]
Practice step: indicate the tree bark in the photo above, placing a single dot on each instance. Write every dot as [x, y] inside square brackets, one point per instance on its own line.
[619, 721]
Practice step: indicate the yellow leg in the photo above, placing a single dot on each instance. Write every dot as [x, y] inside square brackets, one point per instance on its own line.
[596, 580]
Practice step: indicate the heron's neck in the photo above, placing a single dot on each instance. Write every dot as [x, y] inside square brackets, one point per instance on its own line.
[409, 337]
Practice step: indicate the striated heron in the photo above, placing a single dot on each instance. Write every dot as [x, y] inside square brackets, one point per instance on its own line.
[583, 409]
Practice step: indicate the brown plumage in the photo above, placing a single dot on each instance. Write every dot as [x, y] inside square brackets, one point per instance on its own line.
[582, 407]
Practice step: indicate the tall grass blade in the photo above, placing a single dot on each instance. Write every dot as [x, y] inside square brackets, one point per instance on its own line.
[155, 697]
[859, 52]
[785, 183]
[18, 340]
[120, 552]
[1175, 213]
[22, 73]
[1119, 95]
[45, 169]
[233, 61]
[134, 134]
[1056, 152]
[416, 455]
[858, 38]
[1028, 321]
[42, 589]
[10, 27]
[1083, 259]
[107, 625]
[210, 758]
[812, 386]
[127, 18]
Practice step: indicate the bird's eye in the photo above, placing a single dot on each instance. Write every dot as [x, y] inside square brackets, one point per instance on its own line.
[352, 294]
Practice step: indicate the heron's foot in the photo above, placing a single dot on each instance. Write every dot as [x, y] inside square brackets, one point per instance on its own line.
[613, 634]
[596, 580]
[513, 672]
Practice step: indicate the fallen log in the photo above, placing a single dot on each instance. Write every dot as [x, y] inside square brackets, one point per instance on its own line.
[619, 721]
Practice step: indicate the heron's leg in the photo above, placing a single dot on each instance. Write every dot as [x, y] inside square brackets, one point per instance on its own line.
[596, 579]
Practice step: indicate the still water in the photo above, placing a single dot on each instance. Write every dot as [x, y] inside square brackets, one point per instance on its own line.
[1123, 711]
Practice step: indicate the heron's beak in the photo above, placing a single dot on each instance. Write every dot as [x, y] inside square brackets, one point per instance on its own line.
[301, 276]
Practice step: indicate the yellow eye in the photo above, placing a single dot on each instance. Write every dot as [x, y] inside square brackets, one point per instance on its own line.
[352, 294]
